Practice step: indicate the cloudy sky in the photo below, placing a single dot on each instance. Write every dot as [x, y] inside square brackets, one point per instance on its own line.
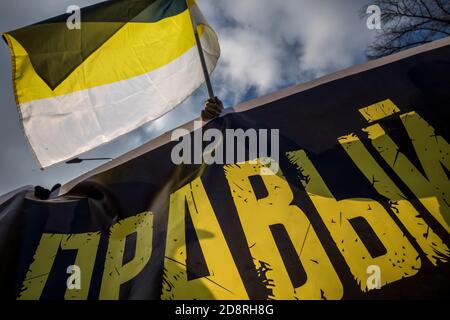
[266, 45]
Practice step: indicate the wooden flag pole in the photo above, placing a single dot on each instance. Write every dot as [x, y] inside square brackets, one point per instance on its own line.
[202, 57]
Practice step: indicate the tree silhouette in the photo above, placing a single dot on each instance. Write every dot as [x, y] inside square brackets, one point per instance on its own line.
[408, 23]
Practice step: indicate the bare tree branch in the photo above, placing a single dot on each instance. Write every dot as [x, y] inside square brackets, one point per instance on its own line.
[407, 23]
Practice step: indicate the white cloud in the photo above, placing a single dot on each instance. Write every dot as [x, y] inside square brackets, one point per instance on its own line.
[270, 44]
[242, 68]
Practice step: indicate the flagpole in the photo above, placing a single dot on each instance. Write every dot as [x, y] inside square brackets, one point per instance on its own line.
[202, 56]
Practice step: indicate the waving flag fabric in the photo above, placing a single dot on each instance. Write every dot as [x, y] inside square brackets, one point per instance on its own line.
[130, 62]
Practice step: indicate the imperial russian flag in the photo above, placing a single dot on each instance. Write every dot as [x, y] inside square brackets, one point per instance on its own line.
[128, 63]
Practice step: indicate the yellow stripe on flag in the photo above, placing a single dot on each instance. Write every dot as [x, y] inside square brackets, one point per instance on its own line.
[136, 49]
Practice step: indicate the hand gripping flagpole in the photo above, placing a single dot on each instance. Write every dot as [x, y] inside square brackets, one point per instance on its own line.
[200, 51]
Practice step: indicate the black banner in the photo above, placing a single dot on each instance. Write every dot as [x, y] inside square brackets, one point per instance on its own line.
[353, 204]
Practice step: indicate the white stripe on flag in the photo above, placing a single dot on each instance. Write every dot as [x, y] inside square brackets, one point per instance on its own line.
[63, 127]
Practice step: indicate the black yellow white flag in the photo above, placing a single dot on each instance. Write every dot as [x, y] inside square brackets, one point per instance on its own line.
[127, 63]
